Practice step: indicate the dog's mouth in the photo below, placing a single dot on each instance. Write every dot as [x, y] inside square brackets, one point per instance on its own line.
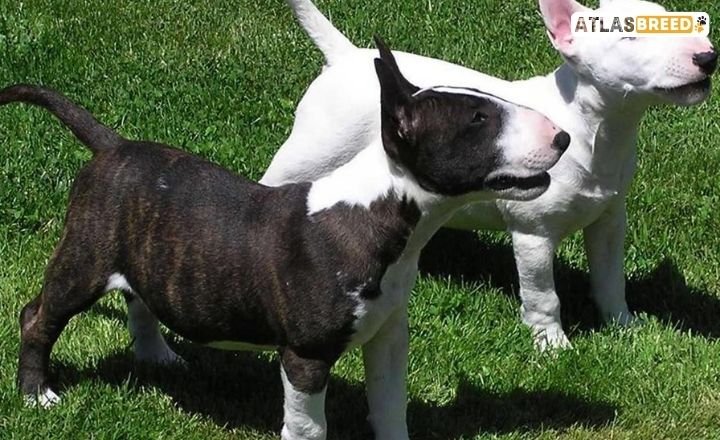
[688, 92]
[515, 187]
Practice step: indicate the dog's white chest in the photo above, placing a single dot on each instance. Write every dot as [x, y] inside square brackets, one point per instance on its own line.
[371, 314]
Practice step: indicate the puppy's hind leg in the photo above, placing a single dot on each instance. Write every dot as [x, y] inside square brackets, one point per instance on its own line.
[73, 282]
[32, 378]
[149, 345]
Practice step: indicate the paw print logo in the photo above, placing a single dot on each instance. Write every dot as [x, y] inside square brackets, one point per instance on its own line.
[700, 24]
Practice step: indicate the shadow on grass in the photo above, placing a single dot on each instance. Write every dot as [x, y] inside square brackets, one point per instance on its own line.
[244, 390]
[663, 293]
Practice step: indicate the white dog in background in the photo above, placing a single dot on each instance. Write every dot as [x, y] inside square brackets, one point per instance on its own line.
[599, 95]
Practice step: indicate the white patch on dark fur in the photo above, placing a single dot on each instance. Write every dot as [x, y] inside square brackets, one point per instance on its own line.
[379, 178]
[342, 186]
[304, 417]
[45, 399]
[119, 282]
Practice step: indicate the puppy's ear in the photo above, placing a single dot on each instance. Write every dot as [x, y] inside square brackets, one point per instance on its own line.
[389, 60]
[396, 98]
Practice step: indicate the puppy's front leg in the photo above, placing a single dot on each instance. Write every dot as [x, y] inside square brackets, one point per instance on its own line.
[305, 385]
[540, 304]
[385, 358]
[605, 247]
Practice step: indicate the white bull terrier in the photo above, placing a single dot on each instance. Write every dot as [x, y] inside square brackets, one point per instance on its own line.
[599, 96]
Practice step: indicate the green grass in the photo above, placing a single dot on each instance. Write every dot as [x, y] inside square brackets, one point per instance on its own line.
[221, 79]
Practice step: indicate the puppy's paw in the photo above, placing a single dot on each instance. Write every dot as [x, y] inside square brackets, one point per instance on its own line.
[44, 399]
[550, 339]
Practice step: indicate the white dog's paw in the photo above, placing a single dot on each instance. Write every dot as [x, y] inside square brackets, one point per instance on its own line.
[172, 358]
[623, 318]
[632, 320]
[45, 399]
[550, 339]
[160, 355]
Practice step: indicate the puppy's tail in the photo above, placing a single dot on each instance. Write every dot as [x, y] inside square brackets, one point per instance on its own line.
[92, 133]
[331, 42]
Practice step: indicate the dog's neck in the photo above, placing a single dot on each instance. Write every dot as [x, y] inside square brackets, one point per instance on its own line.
[370, 176]
[602, 123]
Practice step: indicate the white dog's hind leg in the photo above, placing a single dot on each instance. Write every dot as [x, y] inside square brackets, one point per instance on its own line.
[304, 414]
[149, 344]
[604, 244]
[540, 304]
[385, 358]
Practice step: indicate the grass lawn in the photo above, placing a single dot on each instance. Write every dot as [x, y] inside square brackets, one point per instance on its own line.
[222, 79]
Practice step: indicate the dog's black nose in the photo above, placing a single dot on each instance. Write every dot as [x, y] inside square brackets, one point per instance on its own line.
[561, 141]
[706, 61]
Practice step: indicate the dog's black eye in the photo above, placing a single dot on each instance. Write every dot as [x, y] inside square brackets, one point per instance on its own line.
[479, 118]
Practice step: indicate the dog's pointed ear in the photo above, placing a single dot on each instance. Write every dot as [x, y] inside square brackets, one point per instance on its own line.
[557, 15]
[396, 96]
[388, 59]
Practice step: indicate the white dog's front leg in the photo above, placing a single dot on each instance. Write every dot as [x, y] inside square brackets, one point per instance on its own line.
[540, 304]
[385, 358]
[604, 244]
